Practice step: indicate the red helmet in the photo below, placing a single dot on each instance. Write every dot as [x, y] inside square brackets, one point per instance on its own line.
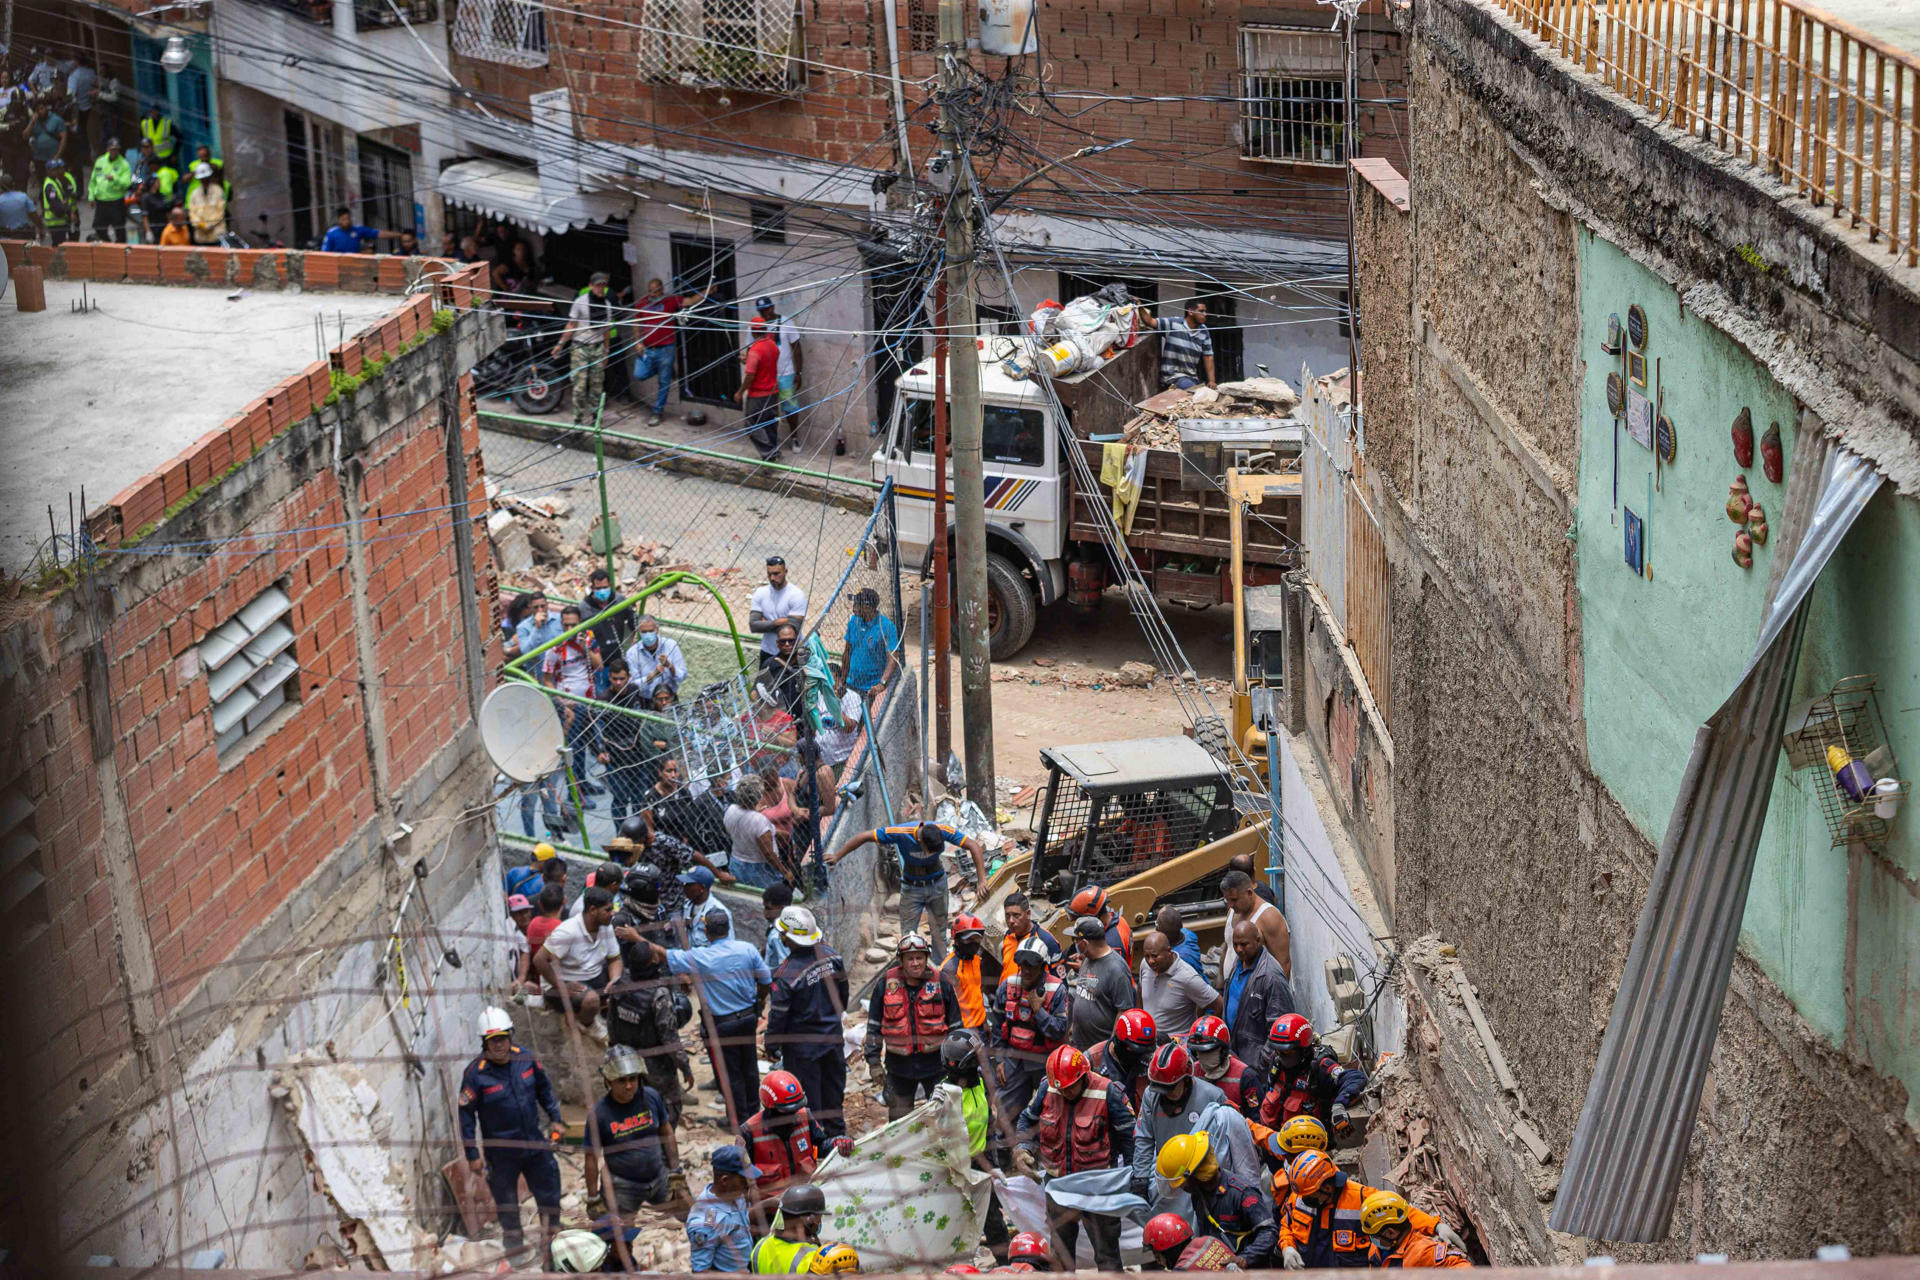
[1090, 901]
[1027, 1245]
[1167, 1231]
[968, 924]
[1290, 1032]
[1209, 1033]
[1066, 1067]
[963, 1269]
[1135, 1027]
[1171, 1064]
[1309, 1171]
[781, 1093]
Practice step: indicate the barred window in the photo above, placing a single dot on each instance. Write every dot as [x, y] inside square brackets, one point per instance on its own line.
[1294, 95]
[251, 668]
[510, 32]
[745, 44]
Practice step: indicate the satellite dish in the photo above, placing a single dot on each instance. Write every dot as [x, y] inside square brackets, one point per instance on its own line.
[520, 728]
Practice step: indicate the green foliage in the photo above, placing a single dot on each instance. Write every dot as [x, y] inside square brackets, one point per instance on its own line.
[1751, 256]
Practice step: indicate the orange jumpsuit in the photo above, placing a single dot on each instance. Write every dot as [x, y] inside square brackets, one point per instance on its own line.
[1331, 1236]
[1420, 1250]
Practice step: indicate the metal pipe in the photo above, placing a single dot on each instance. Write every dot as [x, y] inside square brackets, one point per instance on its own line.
[600, 470]
[899, 92]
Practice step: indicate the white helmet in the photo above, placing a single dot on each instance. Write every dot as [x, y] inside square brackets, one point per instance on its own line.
[797, 926]
[495, 1021]
[578, 1252]
[1032, 950]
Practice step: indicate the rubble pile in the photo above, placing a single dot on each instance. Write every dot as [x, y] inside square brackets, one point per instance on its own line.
[1160, 416]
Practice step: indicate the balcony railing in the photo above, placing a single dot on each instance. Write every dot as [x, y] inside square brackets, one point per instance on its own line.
[740, 44]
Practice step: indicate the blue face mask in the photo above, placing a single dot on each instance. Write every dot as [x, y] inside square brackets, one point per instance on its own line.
[604, 593]
[650, 639]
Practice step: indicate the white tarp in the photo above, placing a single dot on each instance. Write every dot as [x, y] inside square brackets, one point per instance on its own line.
[908, 1197]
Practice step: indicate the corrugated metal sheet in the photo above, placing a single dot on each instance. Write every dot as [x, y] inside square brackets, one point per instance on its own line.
[1367, 617]
[1623, 1168]
[1324, 461]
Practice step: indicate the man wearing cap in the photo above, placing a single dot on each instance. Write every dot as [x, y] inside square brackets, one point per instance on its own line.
[719, 1226]
[810, 997]
[779, 603]
[760, 389]
[502, 1095]
[923, 874]
[912, 1010]
[697, 884]
[1102, 987]
[526, 879]
[787, 334]
[633, 1135]
[1027, 1021]
[590, 331]
[732, 980]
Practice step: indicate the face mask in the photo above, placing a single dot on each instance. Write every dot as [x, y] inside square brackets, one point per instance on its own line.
[602, 594]
[966, 948]
[651, 640]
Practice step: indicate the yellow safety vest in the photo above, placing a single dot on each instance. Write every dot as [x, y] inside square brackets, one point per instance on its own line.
[159, 133]
[773, 1256]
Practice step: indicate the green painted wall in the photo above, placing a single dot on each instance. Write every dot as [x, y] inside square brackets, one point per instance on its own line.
[1662, 651]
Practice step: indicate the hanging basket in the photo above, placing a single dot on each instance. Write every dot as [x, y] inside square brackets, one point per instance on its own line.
[1848, 717]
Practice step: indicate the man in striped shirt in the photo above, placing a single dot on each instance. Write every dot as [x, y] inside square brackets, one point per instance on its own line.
[1186, 349]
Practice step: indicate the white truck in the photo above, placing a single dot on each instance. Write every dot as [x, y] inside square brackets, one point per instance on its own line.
[1043, 542]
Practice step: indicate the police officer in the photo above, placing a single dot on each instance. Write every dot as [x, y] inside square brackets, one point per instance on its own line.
[503, 1091]
[912, 1010]
[59, 202]
[1028, 1021]
[810, 995]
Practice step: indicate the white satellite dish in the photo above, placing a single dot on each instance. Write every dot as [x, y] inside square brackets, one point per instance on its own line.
[520, 728]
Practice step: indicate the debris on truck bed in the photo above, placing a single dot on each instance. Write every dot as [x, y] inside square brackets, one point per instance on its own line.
[1158, 424]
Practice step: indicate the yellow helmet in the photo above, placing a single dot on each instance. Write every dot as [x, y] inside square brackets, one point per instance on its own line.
[834, 1259]
[1382, 1209]
[1182, 1154]
[543, 851]
[1303, 1133]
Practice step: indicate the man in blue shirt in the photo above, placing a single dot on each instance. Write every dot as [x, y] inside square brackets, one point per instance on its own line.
[700, 903]
[1186, 943]
[732, 979]
[923, 875]
[871, 643]
[348, 236]
[539, 626]
[719, 1227]
[774, 899]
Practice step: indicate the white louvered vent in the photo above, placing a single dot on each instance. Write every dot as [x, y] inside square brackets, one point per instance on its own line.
[250, 666]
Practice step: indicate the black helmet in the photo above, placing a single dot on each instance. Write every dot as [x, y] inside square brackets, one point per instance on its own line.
[642, 884]
[958, 1060]
[799, 1201]
[634, 829]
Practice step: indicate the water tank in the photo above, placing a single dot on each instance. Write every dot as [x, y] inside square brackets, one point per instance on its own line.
[1006, 28]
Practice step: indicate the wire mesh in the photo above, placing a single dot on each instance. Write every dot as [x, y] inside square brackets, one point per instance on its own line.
[1103, 839]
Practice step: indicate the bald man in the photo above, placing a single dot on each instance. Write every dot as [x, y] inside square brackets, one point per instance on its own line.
[1257, 993]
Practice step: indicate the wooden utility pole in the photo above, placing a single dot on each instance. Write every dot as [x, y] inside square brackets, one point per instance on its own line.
[963, 385]
[942, 561]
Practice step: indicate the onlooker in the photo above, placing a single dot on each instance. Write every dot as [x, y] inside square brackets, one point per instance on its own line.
[774, 899]
[17, 214]
[759, 392]
[569, 667]
[776, 603]
[871, 642]
[590, 331]
[346, 235]
[1256, 995]
[527, 877]
[580, 958]
[787, 334]
[783, 682]
[520, 911]
[537, 624]
[1102, 989]
[720, 1224]
[622, 732]
[1186, 349]
[46, 136]
[408, 245]
[548, 909]
[112, 179]
[836, 744]
[662, 738]
[699, 904]
[654, 659]
[1186, 943]
[1243, 862]
[518, 274]
[613, 634]
[695, 818]
[654, 313]
[206, 205]
[82, 84]
[59, 203]
[1171, 989]
[754, 859]
[176, 231]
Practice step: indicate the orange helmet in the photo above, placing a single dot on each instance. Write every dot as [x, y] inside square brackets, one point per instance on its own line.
[1066, 1067]
[1309, 1171]
[1090, 901]
[964, 923]
[1167, 1231]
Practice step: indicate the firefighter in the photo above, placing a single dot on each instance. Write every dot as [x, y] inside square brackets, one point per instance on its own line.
[1209, 1041]
[1122, 1058]
[1077, 1122]
[791, 1249]
[973, 973]
[1386, 1218]
[1092, 901]
[503, 1093]
[1177, 1102]
[1171, 1238]
[809, 999]
[782, 1138]
[1028, 1252]
[1028, 1021]
[912, 1010]
[1237, 1208]
[1320, 1223]
[1304, 1078]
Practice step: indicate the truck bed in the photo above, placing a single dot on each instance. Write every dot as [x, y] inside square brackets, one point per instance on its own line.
[1188, 522]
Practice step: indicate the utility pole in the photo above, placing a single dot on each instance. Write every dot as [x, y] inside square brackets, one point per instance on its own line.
[942, 561]
[963, 383]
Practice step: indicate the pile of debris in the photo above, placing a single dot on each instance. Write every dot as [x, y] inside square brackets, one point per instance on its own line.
[1160, 416]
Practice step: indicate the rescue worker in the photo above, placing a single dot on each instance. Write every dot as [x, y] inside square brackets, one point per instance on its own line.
[59, 202]
[1387, 1220]
[633, 1137]
[963, 1057]
[1092, 901]
[156, 127]
[790, 1250]
[502, 1093]
[1208, 1041]
[912, 1010]
[1028, 1252]
[1320, 1223]
[1122, 1057]
[1018, 914]
[1305, 1079]
[810, 996]
[1077, 1122]
[1028, 1021]
[1237, 1208]
[1177, 1102]
[1171, 1238]
[836, 1259]
[782, 1138]
[974, 975]
[1279, 1146]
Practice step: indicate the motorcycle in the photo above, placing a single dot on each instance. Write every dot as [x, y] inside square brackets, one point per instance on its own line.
[524, 367]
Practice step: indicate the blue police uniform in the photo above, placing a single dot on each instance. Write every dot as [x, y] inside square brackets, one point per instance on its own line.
[505, 1101]
[810, 995]
[1242, 1212]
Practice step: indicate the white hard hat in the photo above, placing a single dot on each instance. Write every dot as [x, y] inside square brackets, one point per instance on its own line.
[201, 169]
[1032, 950]
[495, 1021]
[578, 1252]
[797, 925]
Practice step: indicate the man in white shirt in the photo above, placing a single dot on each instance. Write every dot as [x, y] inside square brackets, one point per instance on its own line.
[773, 606]
[654, 660]
[788, 335]
[836, 744]
[581, 957]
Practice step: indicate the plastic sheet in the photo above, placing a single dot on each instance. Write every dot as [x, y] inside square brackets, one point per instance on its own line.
[908, 1197]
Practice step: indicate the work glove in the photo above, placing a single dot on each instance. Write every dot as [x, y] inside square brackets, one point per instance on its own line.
[843, 1145]
[1291, 1257]
[1023, 1162]
[1142, 1187]
[556, 1132]
[1450, 1237]
[596, 1205]
[1342, 1122]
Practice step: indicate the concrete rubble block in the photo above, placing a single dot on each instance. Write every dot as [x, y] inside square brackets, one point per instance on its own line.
[1135, 675]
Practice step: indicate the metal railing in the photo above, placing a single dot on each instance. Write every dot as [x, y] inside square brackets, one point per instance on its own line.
[1293, 89]
[1816, 102]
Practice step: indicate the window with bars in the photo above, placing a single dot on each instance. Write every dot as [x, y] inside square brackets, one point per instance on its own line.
[923, 26]
[510, 32]
[369, 14]
[251, 668]
[744, 44]
[1293, 90]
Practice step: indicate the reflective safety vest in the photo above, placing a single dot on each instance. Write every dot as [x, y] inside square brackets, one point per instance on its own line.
[1019, 1029]
[912, 1021]
[1420, 1250]
[966, 986]
[59, 199]
[159, 133]
[1331, 1236]
[1074, 1137]
[782, 1157]
[773, 1256]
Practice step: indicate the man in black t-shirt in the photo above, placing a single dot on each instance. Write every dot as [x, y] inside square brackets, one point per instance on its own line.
[633, 1136]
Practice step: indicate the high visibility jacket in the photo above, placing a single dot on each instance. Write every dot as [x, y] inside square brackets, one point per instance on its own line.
[1331, 1236]
[111, 178]
[783, 1155]
[59, 198]
[965, 975]
[913, 1019]
[159, 133]
[1074, 1136]
[1418, 1249]
[773, 1256]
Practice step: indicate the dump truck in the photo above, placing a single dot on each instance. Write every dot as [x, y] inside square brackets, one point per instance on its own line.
[1044, 543]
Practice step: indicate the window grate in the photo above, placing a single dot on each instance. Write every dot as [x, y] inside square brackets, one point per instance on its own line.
[510, 32]
[923, 27]
[743, 44]
[1293, 96]
[251, 668]
[372, 14]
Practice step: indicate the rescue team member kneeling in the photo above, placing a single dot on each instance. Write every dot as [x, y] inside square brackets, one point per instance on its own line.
[1171, 1238]
[503, 1092]
[912, 1010]
[1077, 1122]
[782, 1138]
[1236, 1208]
[1320, 1225]
[633, 1134]
[1385, 1217]
[791, 1249]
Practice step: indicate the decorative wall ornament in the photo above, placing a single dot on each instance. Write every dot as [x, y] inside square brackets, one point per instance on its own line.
[1772, 460]
[1739, 501]
[1757, 524]
[1665, 442]
[1634, 543]
[1637, 326]
[1640, 418]
[1636, 369]
[1743, 549]
[1743, 439]
[1616, 394]
[1615, 338]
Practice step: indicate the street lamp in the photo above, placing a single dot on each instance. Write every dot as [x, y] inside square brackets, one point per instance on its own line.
[176, 57]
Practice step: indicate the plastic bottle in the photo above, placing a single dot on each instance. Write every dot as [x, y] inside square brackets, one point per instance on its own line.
[1852, 777]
